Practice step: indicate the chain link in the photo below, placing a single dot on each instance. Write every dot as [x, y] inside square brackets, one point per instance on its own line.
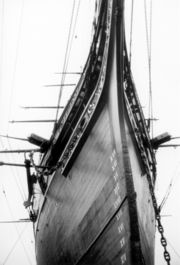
[163, 239]
[159, 224]
[156, 208]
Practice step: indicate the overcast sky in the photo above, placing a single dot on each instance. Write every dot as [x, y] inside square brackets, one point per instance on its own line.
[33, 36]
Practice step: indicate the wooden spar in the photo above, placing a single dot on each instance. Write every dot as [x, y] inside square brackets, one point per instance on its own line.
[18, 121]
[20, 165]
[68, 73]
[20, 151]
[177, 137]
[42, 107]
[16, 221]
[12, 137]
[169, 145]
[59, 85]
[32, 139]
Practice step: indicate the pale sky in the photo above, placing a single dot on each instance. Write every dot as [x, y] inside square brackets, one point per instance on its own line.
[33, 37]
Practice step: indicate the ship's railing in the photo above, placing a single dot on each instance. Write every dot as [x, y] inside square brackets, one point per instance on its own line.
[87, 114]
[138, 121]
[92, 103]
[84, 89]
[144, 152]
[82, 84]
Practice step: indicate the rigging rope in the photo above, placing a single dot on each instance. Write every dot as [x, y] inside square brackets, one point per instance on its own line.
[72, 36]
[15, 62]
[14, 245]
[169, 188]
[166, 196]
[175, 251]
[68, 56]
[65, 59]
[131, 32]
[150, 71]
[2, 46]
[13, 173]
[149, 46]
[13, 80]
[15, 225]
[19, 184]
[149, 51]
[16, 173]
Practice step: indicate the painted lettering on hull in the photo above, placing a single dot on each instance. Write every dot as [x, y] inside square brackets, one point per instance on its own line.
[118, 200]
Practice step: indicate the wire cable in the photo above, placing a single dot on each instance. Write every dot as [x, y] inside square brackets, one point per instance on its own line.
[146, 27]
[17, 180]
[69, 51]
[14, 245]
[9, 207]
[168, 191]
[150, 70]
[65, 59]
[15, 225]
[2, 45]
[149, 55]
[175, 251]
[131, 31]
[72, 36]
[15, 174]
[16, 60]
[166, 196]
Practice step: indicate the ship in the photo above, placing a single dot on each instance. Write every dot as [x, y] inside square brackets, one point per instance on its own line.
[98, 170]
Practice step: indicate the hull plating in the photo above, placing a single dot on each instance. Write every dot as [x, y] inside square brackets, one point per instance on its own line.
[100, 211]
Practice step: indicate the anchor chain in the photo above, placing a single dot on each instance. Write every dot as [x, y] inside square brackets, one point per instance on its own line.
[131, 97]
[163, 239]
[159, 224]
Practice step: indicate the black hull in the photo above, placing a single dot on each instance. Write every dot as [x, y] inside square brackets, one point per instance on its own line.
[97, 208]
[85, 217]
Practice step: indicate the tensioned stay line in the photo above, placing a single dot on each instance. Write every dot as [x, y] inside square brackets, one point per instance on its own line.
[14, 245]
[175, 251]
[71, 39]
[20, 189]
[2, 45]
[64, 72]
[149, 55]
[19, 234]
[17, 180]
[169, 188]
[150, 70]
[16, 60]
[67, 47]
[131, 32]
